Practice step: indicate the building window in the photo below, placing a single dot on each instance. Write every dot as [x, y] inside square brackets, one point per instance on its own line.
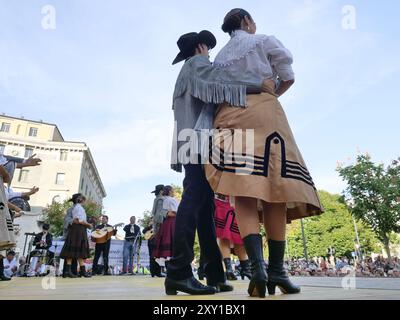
[82, 183]
[86, 190]
[60, 178]
[28, 152]
[33, 132]
[23, 176]
[63, 155]
[2, 146]
[5, 127]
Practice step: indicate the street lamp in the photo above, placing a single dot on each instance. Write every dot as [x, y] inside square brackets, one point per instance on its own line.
[358, 245]
[350, 204]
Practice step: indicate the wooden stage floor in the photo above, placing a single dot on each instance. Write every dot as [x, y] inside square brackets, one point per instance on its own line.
[140, 287]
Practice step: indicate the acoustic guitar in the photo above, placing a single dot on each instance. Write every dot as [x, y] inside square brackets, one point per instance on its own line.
[149, 235]
[105, 234]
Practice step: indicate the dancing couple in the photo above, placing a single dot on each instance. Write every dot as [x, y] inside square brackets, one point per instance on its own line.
[238, 92]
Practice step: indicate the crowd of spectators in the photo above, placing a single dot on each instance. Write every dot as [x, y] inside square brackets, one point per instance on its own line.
[342, 266]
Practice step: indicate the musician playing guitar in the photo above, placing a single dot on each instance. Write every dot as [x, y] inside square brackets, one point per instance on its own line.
[102, 248]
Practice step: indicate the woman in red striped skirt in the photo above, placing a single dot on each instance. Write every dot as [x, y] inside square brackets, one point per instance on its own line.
[228, 236]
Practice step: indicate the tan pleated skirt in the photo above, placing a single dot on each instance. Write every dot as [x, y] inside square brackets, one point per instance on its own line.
[254, 154]
[7, 238]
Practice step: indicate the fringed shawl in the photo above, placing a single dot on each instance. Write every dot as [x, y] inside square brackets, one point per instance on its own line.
[207, 84]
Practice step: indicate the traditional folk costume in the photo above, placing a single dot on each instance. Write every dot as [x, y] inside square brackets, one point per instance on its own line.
[274, 171]
[158, 213]
[227, 229]
[76, 244]
[225, 221]
[198, 89]
[165, 236]
[7, 237]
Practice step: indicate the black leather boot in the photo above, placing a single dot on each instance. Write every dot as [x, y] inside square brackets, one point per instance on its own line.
[230, 275]
[245, 269]
[83, 273]
[68, 273]
[2, 276]
[191, 286]
[258, 281]
[277, 276]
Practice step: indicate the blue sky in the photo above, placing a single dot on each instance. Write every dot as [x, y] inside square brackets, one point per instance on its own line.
[104, 76]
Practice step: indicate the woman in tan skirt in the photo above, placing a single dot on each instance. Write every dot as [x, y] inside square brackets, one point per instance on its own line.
[254, 158]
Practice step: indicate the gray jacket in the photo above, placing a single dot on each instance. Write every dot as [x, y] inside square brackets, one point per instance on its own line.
[199, 88]
[67, 222]
[158, 213]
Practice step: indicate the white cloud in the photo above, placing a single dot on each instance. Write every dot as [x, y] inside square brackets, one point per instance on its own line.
[128, 148]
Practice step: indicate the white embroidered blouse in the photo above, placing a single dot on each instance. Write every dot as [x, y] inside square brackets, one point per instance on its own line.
[170, 204]
[261, 54]
[78, 212]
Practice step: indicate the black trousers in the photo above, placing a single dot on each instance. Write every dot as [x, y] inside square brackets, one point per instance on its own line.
[196, 211]
[1, 267]
[99, 249]
[155, 268]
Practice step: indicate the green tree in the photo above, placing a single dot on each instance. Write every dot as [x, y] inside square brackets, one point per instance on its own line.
[145, 220]
[373, 196]
[334, 228]
[178, 190]
[54, 214]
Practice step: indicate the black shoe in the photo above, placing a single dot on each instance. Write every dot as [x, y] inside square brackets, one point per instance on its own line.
[190, 286]
[230, 275]
[4, 278]
[277, 276]
[222, 286]
[245, 269]
[83, 273]
[258, 281]
[107, 273]
[122, 274]
[160, 275]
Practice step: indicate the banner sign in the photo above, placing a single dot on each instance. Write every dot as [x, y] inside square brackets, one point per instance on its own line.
[116, 255]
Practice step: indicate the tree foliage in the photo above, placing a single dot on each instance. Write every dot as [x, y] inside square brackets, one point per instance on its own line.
[54, 214]
[334, 228]
[373, 195]
[145, 220]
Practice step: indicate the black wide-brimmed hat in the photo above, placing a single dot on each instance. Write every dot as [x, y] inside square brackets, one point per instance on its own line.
[189, 41]
[158, 188]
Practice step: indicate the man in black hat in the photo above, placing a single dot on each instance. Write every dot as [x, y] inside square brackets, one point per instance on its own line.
[158, 213]
[198, 90]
